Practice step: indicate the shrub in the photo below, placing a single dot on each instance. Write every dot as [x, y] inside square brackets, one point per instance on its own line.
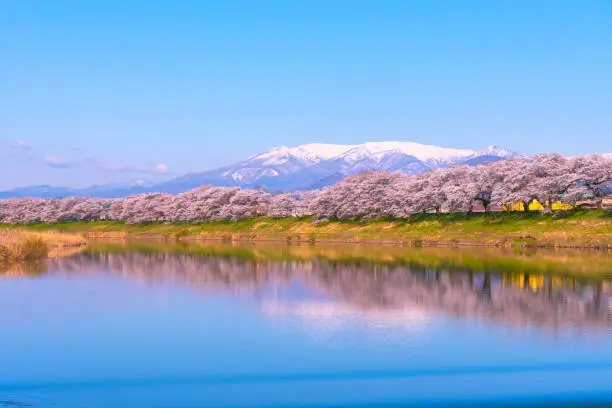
[183, 232]
[33, 249]
[563, 214]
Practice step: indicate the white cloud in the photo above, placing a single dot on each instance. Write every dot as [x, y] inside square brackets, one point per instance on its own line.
[20, 145]
[64, 156]
[57, 162]
[162, 168]
[151, 168]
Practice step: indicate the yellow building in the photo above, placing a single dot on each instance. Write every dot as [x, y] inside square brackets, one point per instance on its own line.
[537, 206]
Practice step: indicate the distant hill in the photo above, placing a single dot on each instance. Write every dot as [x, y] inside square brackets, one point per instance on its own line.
[317, 165]
[100, 191]
[296, 168]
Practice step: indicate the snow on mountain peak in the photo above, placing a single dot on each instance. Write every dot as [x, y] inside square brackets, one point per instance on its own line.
[496, 151]
[316, 152]
[308, 153]
[319, 160]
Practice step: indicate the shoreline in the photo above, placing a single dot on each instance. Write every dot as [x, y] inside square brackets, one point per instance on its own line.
[589, 229]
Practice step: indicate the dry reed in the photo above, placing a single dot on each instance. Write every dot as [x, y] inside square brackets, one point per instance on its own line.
[19, 245]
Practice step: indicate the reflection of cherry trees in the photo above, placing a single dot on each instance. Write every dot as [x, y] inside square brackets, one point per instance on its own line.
[545, 178]
[513, 299]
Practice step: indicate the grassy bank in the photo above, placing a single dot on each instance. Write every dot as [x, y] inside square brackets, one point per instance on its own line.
[586, 228]
[18, 245]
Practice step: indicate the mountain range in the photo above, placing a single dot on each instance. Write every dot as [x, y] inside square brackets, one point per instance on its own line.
[303, 167]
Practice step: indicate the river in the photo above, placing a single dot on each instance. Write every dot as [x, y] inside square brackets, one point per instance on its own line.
[221, 325]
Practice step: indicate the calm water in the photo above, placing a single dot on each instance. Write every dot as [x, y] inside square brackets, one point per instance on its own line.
[171, 326]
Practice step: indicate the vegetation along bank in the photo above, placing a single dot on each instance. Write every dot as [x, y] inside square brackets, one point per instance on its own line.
[571, 229]
[19, 245]
[461, 205]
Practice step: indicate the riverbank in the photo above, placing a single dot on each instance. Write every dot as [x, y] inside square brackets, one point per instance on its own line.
[574, 229]
[22, 245]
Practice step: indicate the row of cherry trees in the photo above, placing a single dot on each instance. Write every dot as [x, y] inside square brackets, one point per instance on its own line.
[545, 178]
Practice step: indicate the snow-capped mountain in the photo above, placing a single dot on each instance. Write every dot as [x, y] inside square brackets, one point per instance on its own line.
[316, 165]
[294, 168]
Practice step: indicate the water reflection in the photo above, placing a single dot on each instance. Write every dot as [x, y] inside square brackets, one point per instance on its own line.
[30, 269]
[275, 325]
[380, 291]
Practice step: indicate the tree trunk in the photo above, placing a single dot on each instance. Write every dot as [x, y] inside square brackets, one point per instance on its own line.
[548, 207]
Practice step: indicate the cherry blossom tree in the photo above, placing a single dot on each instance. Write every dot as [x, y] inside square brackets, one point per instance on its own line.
[594, 173]
[546, 178]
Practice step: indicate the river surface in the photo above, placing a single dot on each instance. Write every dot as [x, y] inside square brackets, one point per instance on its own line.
[152, 325]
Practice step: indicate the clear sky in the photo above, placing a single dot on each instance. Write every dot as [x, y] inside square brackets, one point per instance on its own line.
[110, 90]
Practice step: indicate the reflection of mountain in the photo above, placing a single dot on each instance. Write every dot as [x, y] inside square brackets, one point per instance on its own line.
[379, 290]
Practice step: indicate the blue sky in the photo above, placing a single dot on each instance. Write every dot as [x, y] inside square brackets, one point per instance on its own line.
[105, 91]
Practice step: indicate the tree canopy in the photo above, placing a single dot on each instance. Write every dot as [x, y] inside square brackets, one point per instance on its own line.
[546, 178]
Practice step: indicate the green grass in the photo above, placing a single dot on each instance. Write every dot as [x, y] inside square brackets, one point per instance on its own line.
[581, 228]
